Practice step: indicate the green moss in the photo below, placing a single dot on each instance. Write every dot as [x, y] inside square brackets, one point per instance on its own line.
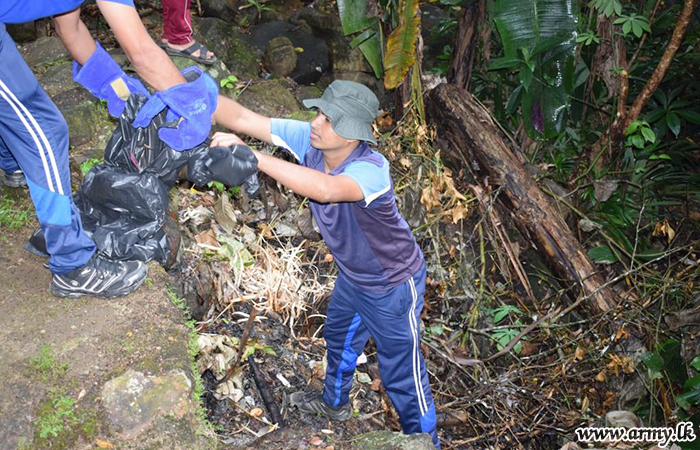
[60, 423]
[14, 212]
[46, 367]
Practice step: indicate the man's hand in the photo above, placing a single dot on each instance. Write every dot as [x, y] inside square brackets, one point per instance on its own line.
[225, 140]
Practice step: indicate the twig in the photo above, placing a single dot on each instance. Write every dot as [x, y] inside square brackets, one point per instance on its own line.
[555, 315]
[241, 346]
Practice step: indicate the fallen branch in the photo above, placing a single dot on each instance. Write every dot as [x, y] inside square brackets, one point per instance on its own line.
[267, 397]
[241, 347]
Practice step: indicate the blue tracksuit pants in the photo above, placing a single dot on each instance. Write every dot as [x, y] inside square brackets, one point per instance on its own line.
[34, 135]
[393, 321]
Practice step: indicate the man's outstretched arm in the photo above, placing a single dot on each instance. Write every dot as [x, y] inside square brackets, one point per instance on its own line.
[240, 119]
[310, 183]
[150, 61]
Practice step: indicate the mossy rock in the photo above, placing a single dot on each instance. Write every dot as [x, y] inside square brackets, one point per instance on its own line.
[220, 38]
[84, 114]
[269, 98]
[387, 440]
[57, 78]
[43, 51]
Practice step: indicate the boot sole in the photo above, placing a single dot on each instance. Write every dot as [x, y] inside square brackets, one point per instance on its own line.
[56, 291]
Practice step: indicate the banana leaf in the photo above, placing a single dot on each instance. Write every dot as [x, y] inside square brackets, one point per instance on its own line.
[353, 19]
[401, 44]
[542, 34]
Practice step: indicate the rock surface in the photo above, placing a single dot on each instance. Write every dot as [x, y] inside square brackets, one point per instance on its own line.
[387, 440]
[280, 57]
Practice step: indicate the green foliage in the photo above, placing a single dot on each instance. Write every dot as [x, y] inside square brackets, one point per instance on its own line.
[602, 254]
[88, 164]
[607, 7]
[14, 214]
[57, 414]
[666, 364]
[232, 82]
[354, 20]
[502, 336]
[444, 58]
[587, 38]
[634, 23]
[669, 112]
[538, 38]
[175, 299]
[401, 46]
[638, 134]
[46, 366]
[259, 6]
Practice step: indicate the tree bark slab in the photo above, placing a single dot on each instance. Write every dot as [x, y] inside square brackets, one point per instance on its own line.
[467, 135]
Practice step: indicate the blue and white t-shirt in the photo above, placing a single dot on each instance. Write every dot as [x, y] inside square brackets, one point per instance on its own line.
[20, 11]
[371, 242]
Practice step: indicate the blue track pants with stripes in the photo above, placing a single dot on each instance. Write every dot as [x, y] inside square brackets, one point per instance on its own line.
[34, 133]
[393, 321]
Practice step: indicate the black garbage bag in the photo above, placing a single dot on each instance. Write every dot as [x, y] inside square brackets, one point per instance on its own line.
[124, 201]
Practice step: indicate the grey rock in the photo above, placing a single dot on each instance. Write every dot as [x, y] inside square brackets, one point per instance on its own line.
[312, 61]
[222, 9]
[388, 440]
[604, 189]
[22, 32]
[631, 391]
[133, 400]
[623, 419]
[45, 50]
[280, 57]
[322, 17]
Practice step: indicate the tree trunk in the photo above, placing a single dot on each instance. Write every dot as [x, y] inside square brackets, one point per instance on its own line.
[461, 64]
[468, 134]
[618, 128]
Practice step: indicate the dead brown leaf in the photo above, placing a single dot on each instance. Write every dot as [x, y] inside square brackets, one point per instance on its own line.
[103, 444]
[664, 229]
[316, 441]
[579, 353]
[208, 238]
[256, 412]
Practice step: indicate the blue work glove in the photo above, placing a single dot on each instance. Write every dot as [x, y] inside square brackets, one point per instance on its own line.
[190, 107]
[103, 77]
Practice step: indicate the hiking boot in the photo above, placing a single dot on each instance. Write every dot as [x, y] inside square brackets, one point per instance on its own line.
[312, 402]
[100, 277]
[14, 179]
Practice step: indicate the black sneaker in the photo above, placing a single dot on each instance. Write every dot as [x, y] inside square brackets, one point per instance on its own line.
[100, 277]
[14, 179]
[312, 402]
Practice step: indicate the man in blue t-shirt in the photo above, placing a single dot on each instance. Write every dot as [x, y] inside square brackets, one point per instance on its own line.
[381, 277]
[34, 134]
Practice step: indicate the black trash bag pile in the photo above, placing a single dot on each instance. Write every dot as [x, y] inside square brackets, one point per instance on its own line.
[123, 202]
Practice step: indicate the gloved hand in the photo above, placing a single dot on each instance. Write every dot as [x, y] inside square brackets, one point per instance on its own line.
[191, 106]
[103, 77]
